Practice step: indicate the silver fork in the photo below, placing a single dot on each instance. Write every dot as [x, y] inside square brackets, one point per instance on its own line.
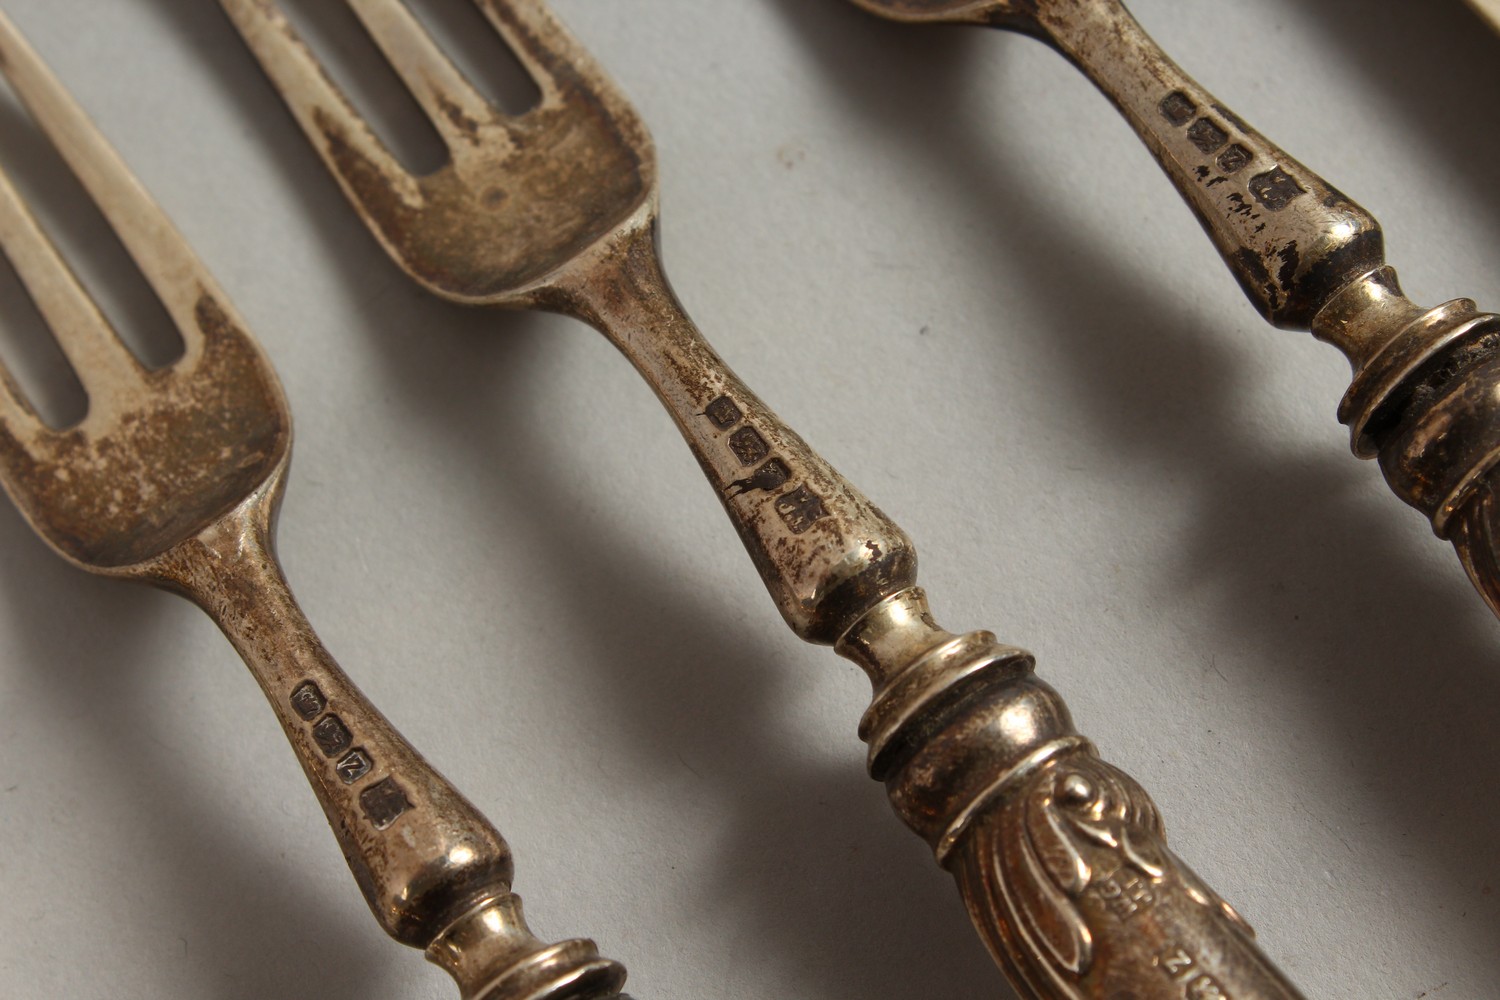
[174, 477]
[1425, 394]
[1060, 857]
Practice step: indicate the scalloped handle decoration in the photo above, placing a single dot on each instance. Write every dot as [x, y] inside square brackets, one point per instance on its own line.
[1072, 886]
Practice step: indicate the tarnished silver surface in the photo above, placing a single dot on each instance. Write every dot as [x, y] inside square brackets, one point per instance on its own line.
[1425, 399]
[174, 478]
[1060, 857]
[943, 258]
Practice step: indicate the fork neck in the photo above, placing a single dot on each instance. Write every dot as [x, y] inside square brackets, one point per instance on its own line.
[434, 871]
[1290, 238]
[826, 554]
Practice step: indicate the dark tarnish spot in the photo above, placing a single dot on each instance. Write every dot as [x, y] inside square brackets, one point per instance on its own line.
[194, 445]
[1202, 172]
[800, 509]
[1178, 108]
[1206, 134]
[379, 203]
[773, 475]
[1256, 280]
[1239, 206]
[1275, 189]
[1290, 261]
[459, 119]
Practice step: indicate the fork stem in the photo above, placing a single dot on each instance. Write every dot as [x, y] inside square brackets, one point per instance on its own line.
[434, 871]
[1060, 857]
[1423, 397]
[825, 552]
[1290, 239]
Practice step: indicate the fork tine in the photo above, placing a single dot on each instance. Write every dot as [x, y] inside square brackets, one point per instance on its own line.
[102, 362]
[543, 46]
[457, 110]
[18, 421]
[360, 161]
[159, 251]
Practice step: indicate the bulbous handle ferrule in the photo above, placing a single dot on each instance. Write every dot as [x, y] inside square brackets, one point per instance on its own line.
[1061, 858]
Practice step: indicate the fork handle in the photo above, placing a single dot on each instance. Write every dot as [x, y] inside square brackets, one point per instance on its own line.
[824, 551]
[1423, 398]
[434, 871]
[1290, 239]
[1060, 858]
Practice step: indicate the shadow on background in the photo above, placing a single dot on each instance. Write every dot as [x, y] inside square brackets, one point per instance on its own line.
[1272, 520]
[669, 668]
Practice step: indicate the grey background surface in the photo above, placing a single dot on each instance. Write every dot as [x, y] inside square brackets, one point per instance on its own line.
[942, 258]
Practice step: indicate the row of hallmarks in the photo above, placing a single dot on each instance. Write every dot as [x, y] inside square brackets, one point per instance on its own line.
[1273, 189]
[800, 508]
[383, 801]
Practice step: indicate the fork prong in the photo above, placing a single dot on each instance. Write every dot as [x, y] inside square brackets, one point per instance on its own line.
[360, 161]
[18, 421]
[539, 41]
[457, 109]
[158, 249]
[101, 361]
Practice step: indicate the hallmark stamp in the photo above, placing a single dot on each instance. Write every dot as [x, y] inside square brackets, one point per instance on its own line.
[1178, 108]
[353, 765]
[1235, 158]
[308, 701]
[800, 509]
[1205, 988]
[383, 803]
[1124, 894]
[748, 446]
[1275, 189]
[772, 475]
[332, 736]
[724, 413]
[1207, 135]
